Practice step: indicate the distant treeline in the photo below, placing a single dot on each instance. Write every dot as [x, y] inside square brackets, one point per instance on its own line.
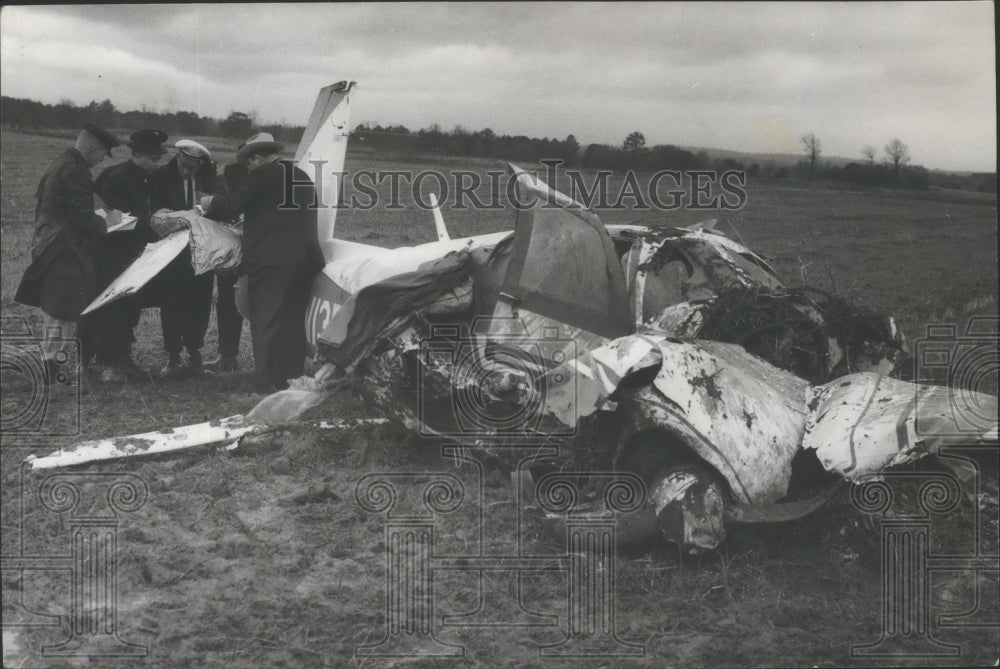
[520, 148]
[914, 177]
[24, 114]
[27, 115]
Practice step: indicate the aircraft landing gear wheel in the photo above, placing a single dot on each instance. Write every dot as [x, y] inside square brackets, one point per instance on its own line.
[689, 498]
[690, 508]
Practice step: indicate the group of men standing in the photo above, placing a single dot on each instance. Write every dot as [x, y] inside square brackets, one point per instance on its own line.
[74, 257]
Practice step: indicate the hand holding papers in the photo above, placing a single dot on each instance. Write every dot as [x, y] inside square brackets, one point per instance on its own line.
[117, 220]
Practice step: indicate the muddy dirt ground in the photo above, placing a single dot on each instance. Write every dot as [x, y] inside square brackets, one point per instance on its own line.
[264, 556]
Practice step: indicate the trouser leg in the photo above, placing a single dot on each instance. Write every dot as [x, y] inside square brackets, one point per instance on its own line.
[197, 311]
[264, 292]
[228, 316]
[293, 327]
[97, 328]
[87, 332]
[278, 299]
[167, 291]
[112, 330]
[115, 330]
[57, 336]
[170, 327]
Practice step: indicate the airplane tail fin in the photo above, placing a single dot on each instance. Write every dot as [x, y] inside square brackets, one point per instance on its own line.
[325, 139]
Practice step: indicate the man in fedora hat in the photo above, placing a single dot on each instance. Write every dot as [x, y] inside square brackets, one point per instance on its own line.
[185, 299]
[125, 186]
[281, 255]
[61, 278]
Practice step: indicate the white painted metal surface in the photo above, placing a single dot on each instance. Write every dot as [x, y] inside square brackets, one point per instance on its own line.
[154, 258]
[321, 154]
[363, 269]
[225, 430]
[751, 413]
[863, 423]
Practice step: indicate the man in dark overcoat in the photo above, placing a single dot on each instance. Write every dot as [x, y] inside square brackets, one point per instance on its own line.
[61, 278]
[125, 186]
[185, 299]
[281, 255]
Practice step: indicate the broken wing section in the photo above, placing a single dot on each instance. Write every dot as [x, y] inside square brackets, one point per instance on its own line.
[153, 259]
[863, 423]
[321, 154]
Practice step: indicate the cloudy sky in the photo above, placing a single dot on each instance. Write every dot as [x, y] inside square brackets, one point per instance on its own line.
[746, 77]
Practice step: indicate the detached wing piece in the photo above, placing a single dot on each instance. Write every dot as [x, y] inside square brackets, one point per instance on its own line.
[863, 423]
[153, 259]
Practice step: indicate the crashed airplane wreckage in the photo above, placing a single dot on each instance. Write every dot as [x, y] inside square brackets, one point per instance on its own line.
[721, 383]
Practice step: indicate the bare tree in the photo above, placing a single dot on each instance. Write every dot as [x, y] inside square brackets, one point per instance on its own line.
[812, 145]
[869, 152]
[635, 143]
[897, 153]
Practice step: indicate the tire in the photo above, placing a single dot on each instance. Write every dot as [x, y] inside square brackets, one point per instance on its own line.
[689, 499]
[690, 506]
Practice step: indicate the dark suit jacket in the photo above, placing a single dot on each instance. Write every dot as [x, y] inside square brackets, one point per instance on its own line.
[126, 187]
[236, 174]
[66, 234]
[166, 188]
[280, 224]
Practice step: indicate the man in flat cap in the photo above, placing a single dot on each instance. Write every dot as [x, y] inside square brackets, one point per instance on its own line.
[61, 278]
[126, 187]
[281, 255]
[185, 299]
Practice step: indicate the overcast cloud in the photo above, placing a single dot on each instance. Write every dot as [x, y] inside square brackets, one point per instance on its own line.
[746, 77]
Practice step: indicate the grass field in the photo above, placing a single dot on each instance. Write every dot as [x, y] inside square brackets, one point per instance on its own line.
[262, 556]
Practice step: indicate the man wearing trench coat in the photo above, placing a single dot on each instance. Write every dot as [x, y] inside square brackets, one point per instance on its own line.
[61, 277]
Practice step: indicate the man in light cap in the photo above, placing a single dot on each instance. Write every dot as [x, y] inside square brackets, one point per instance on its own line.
[281, 255]
[185, 299]
[124, 186]
[61, 278]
